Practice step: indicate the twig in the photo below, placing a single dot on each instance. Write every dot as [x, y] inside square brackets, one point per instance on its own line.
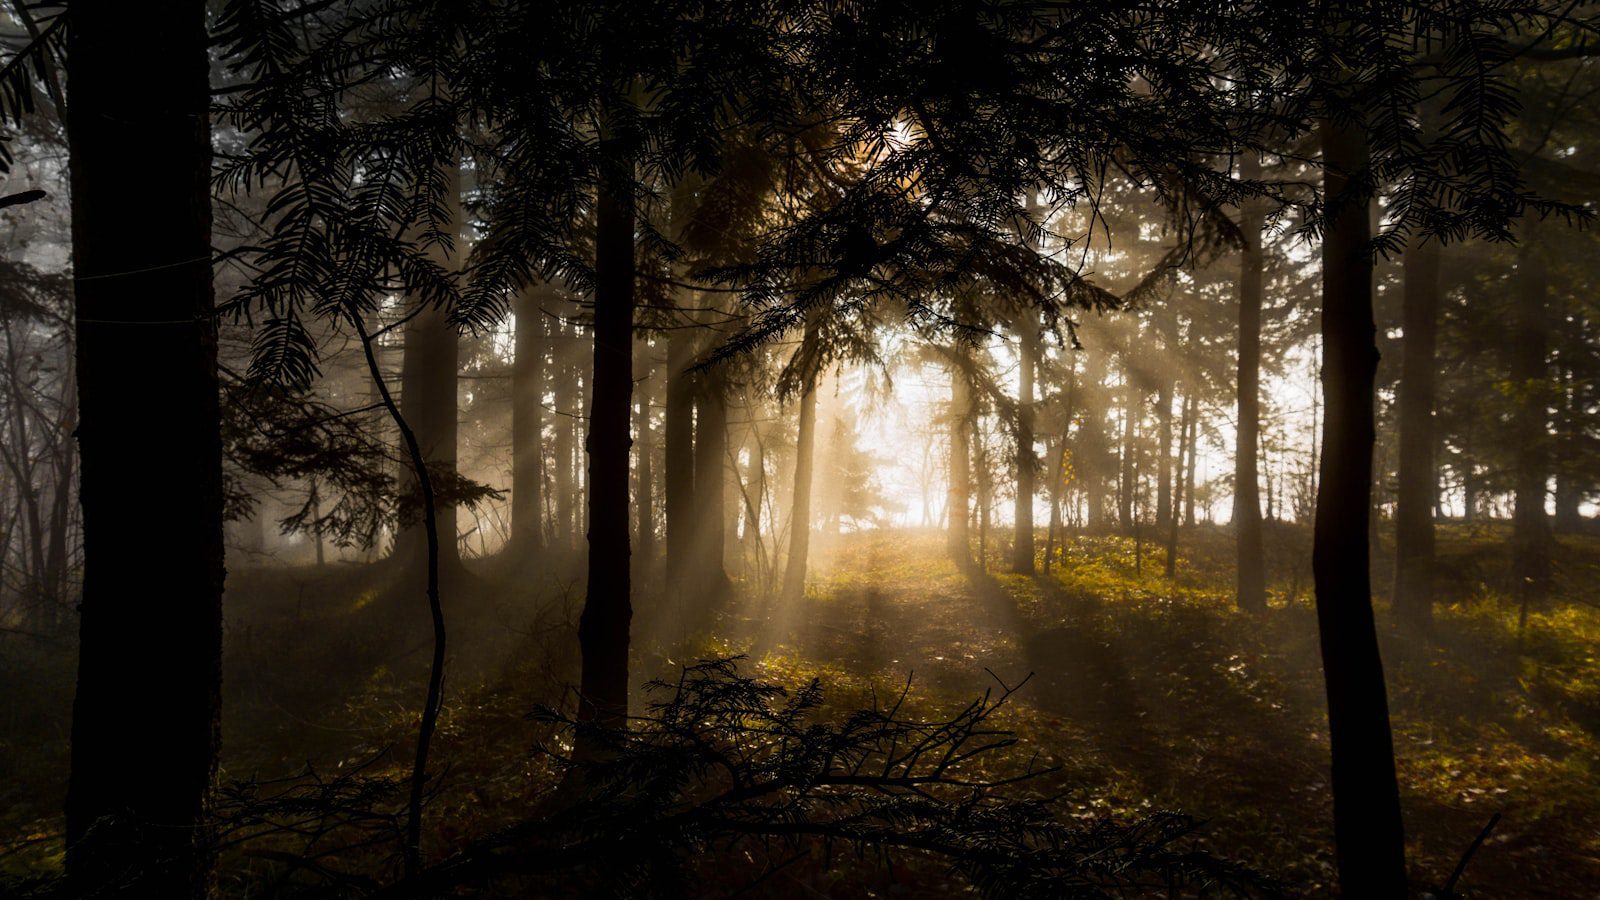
[1449, 889]
[430, 709]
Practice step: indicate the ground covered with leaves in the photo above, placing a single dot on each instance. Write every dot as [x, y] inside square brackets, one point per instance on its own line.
[1138, 694]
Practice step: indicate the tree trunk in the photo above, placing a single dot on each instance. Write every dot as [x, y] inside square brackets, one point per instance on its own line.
[1194, 452]
[752, 494]
[527, 426]
[608, 608]
[733, 489]
[55, 560]
[151, 452]
[1250, 557]
[958, 540]
[985, 491]
[428, 397]
[794, 572]
[1418, 481]
[1093, 454]
[1058, 468]
[1026, 461]
[1369, 838]
[1130, 416]
[1569, 454]
[1530, 538]
[645, 494]
[567, 404]
[1164, 451]
[711, 486]
[1185, 445]
[678, 479]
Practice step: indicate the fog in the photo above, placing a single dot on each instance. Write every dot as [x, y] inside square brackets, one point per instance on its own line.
[802, 449]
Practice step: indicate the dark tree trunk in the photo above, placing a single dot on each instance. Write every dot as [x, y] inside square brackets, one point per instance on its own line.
[1369, 838]
[527, 426]
[794, 573]
[568, 402]
[428, 399]
[55, 559]
[733, 488]
[1189, 468]
[985, 492]
[645, 494]
[1027, 462]
[1530, 524]
[678, 478]
[1250, 557]
[316, 516]
[151, 453]
[1185, 445]
[580, 446]
[752, 496]
[711, 486]
[608, 607]
[1058, 469]
[1164, 451]
[1469, 467]
[1092, 444]
[1130, 415]
[958, 539]
[1570, 489]
[1418, 480]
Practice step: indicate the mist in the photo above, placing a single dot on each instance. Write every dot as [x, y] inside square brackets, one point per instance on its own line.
[798, 449]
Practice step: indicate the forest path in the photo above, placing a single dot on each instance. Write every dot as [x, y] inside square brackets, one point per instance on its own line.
[1158, 694]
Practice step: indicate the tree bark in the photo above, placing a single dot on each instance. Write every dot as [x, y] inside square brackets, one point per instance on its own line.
[428, 392]
[568, 402]
[1185, 445]
[1164, 466]
[1027, 462]
[151, 452]
[1194, 452]
[1090, 461]
[958, 538]
[1569, 437]
[1369, 838]
[1418, 480]
[1530, 524]
[1125, 480]
[711, 486]
[527, 425]
[1058, 468]
[1249, 554]
[794, 572]
[645, 493]
[678, 477]
[608, 609]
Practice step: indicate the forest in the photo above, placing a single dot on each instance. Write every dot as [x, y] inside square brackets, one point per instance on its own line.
[799, 448]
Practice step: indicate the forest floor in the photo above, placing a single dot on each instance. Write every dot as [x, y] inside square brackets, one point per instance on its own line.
[1146, 693]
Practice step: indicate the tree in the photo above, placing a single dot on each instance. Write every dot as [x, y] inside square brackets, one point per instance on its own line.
[958, 539]
[1368, 834]
[428, 386]
[708, 573]
[1413, 529]
[147, 366]
[644, 551]
[1530, 389]
[679, 476]
[527, 425]
[1252, 582]
[794, 574]
[603, 629]
[1027, 463]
